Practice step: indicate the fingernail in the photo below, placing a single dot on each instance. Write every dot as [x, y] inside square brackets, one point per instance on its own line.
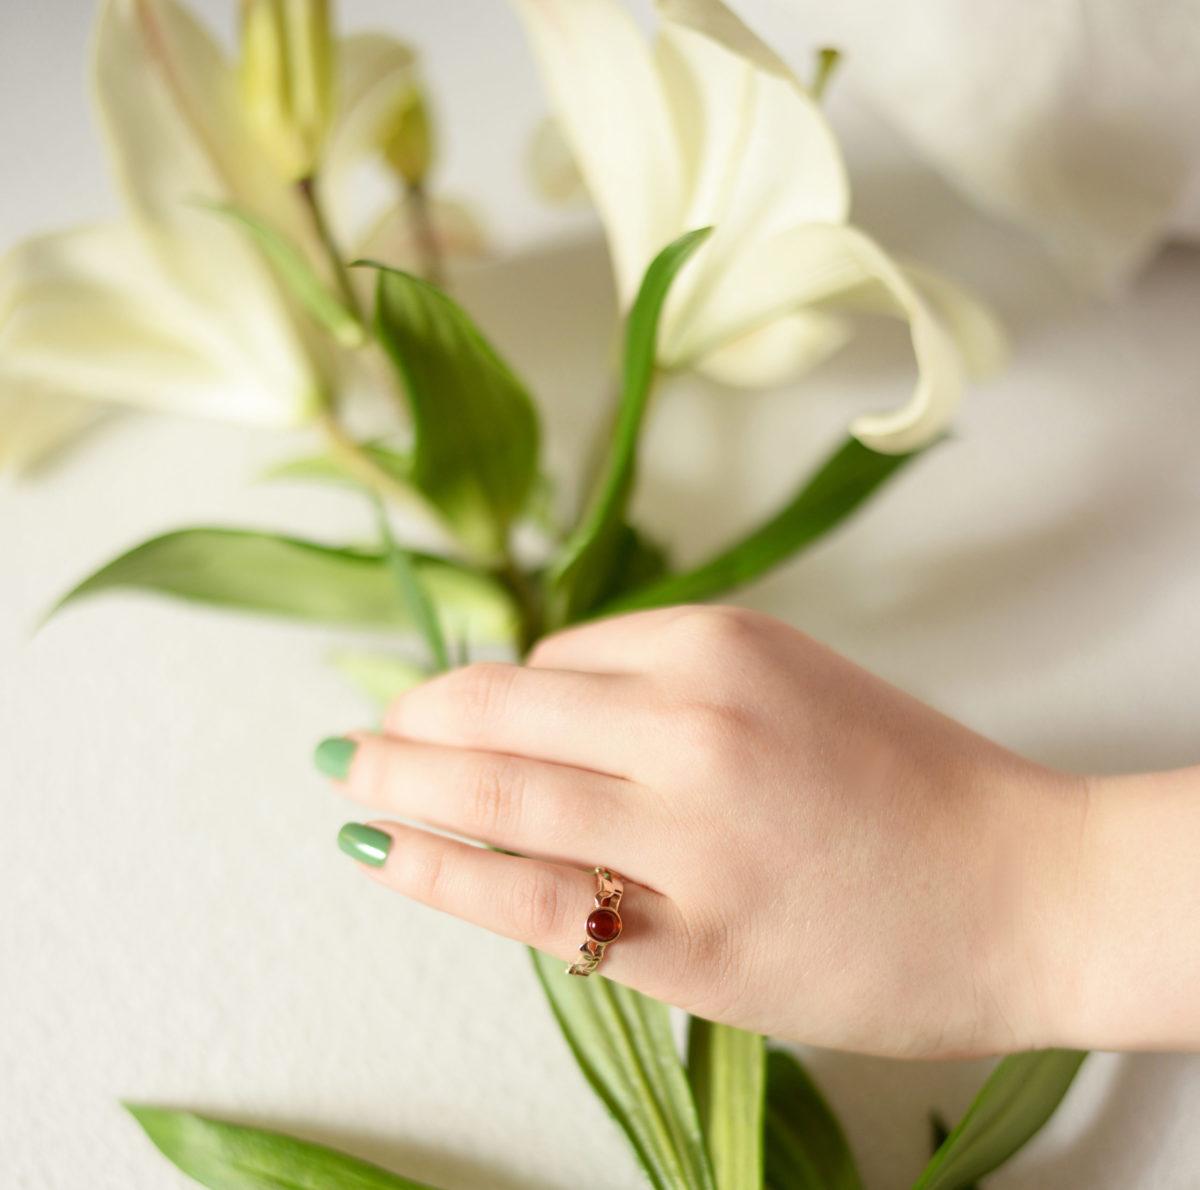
[333, 756]
[364, 843]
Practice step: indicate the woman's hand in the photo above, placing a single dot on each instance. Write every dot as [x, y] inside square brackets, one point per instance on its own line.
[807, 851]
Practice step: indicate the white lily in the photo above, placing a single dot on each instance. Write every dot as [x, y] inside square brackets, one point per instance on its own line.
[707, 126]
[174, 308]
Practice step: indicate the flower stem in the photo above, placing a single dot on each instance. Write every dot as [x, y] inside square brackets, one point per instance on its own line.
[307, 189]
[527, 599]
[359, 463]
[429, 250]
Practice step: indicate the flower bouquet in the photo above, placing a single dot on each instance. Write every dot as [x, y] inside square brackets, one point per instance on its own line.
[242, 284]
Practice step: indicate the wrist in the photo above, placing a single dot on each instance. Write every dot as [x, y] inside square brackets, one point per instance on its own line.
[1033, 859]
[1125, 928]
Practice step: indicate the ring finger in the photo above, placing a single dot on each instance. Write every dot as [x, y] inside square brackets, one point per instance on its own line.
[542, 904]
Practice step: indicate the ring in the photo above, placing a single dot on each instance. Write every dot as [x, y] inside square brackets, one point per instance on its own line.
[603, 923]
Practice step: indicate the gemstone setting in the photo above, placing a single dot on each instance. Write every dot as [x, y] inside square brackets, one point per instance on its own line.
[603, 925]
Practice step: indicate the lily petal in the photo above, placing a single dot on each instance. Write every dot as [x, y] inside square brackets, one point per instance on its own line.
[168, 105]
[91, 315]
[168, 102]
[976, 332]
[34, 424]
[555, 175]
[609, 100]
[777, 352]
[818, 263]
[761, 155]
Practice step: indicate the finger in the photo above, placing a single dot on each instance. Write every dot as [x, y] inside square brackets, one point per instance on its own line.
[593, 721]
[540, 809]
[620, 644]
[541, 904]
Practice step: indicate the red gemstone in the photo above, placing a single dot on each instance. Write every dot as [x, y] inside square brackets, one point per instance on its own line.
[603, 925]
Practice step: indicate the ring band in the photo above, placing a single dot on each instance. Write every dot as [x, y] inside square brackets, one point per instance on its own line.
[603, 924]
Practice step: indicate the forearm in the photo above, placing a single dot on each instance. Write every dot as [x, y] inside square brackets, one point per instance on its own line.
[1127, 962]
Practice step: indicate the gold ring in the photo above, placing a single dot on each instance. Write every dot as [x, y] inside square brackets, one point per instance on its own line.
[603, 924]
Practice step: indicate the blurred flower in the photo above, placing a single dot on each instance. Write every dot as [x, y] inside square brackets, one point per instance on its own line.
[552, 165]
[408, 143]
[286, 77]
[1074, 120]
[174, 308]
[708, 127]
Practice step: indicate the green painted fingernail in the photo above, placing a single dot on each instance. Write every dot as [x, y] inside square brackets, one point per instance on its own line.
[364, 843]
[333, 756]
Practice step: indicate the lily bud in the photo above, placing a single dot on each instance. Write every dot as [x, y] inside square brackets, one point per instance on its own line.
[408, 140]
[286, 78]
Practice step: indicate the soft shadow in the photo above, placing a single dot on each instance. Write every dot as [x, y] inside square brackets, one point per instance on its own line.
[972, 595]
[551, 310]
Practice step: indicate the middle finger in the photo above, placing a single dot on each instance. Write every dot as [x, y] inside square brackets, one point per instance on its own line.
[537, 808]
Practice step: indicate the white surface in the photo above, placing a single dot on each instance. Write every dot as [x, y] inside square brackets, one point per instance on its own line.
[176, 924]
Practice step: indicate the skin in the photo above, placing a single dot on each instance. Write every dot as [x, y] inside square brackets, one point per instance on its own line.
[808, 852]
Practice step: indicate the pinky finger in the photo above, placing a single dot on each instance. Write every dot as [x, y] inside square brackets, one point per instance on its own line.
[544, 905]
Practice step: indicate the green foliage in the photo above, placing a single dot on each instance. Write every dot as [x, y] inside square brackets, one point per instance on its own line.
[844, 481]
[727, 1070]
[805, 1146]
[475, 444]
[938, 1131]
[624, 1046]
[227, 1156]
[415, 598]
[588, 559]
[379, 676]
[1020, 1095]
[286, 576]
[294, 270]
[329, 468]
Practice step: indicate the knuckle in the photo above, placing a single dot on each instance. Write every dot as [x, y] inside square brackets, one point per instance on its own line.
[708, 949]
[716, 736]
[482, 693]
[424, 872]
[535, 904]
[497, 791]
[714, 628]
[461, 704]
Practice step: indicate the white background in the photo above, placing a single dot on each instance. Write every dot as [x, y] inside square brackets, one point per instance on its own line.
[176, 925]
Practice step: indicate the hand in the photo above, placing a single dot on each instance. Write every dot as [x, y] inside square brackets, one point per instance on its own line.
[808, 852]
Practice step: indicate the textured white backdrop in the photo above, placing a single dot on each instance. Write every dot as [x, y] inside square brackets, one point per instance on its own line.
[176, 924]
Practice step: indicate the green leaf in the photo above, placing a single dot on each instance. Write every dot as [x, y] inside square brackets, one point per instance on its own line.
[639, 560]
[326, 467]
[475, 430]
[580, 574]
[805, 1146]
[412, 591]
[844, 481]
[938, 1131]
[1020, 1095]
[285, 576]
[626, 1050]
[227, 1156]
[380, 677]
[727, 1070]
[294, 269]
